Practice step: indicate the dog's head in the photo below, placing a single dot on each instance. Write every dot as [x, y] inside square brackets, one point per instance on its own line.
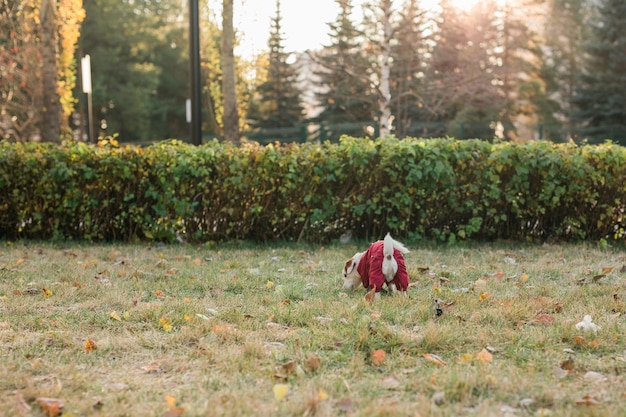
[351, 277]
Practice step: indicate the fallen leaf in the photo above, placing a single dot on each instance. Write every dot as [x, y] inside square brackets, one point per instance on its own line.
[545, 319]
[53, 407]
[313, 363]
[165, 324]
[47, 292]
[434, 359]
[607, 269]
[587, 400]
[280, 391]
[171, 401]
[465, 358]
[370, 295]
[378, 357]
[159, 293]
[597, 278]
[174, 412]
[90, 345]
[580, 340]
[114, 316]
[484, 296]
[151, 369]
[484, 356]
[322, 395]
[568, 364]
[390, 382]
[269, 284]
[524, 277]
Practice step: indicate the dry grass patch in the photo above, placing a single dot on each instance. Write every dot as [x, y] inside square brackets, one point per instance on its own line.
[136, 330]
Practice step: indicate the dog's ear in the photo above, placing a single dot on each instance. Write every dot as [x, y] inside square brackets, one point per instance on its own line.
[349, 266]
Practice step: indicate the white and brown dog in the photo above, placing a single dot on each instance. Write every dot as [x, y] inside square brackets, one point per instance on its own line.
[382, 263]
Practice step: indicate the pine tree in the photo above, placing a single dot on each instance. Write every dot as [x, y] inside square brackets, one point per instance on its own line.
[279, 96]
[407, 72]
[601, 100]
[344, 94]
[565, 31]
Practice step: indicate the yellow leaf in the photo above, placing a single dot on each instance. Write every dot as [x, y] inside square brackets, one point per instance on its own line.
[187, 317]
[322, 395]
[19, 261]
[115, 316]
[47, 292]
[484, 296]
[165, 324]
[269, 284]
[468, 357]
[126, 315]
[524, 277]
[280, 391]
[171, 401]
[484, 356]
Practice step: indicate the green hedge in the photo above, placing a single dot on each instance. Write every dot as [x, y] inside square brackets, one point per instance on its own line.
[414, 188]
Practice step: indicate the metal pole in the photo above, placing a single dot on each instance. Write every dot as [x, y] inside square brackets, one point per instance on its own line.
[194, 70]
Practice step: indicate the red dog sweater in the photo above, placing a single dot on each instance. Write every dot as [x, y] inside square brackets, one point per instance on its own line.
[370, 268]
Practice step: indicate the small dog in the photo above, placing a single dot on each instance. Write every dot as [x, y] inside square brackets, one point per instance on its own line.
[382, 263]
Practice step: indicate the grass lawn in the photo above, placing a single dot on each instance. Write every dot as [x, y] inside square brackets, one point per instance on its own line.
[240, 330]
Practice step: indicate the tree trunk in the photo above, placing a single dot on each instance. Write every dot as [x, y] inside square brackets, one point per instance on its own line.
[385, 68]
[51, 120]
[229, 92]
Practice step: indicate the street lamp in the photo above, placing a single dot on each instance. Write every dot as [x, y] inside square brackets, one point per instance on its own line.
[85, 66]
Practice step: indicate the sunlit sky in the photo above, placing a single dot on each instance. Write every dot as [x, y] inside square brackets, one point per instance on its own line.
[304, 22]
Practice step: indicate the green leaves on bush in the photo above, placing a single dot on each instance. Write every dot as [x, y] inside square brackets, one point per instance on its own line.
[438, 188]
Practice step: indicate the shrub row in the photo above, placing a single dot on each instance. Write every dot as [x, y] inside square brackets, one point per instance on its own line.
[414, 188]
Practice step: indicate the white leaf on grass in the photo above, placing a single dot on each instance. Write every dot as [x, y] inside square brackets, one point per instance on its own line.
[587, 324]
[203, 317]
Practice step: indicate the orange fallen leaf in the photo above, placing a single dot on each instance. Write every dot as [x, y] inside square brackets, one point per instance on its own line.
[90, 345]
[545, 319]
[484, 356]
[370, 295]
[434, 359]
[171, 401]
[587, 400]
[159, 293]
[197, 261]
[174, 412]
[53, 407]
[484, 296]
[497, 275]
[47, 292]
[580, 340]
[594, 344]
[524, 277]
[378, 357]
[19, 261]
[607, 269]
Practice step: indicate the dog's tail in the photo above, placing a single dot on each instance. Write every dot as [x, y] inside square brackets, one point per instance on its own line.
[389, 245]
